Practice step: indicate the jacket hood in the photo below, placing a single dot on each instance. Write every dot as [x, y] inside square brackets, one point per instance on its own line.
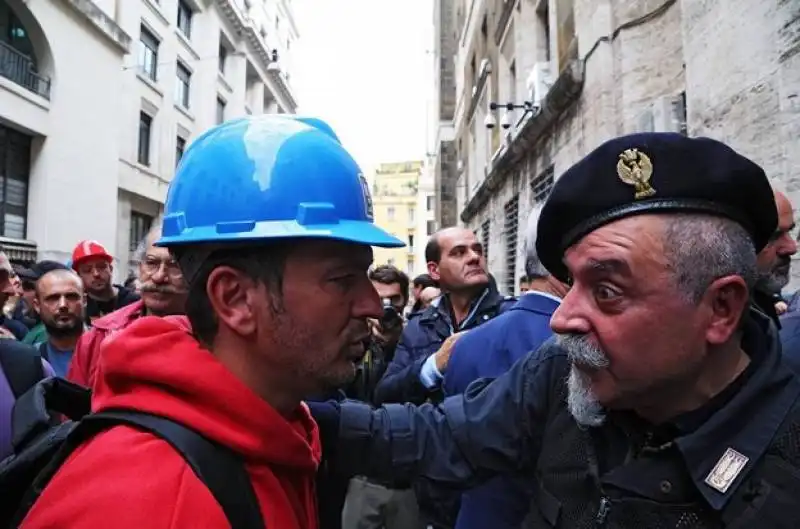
[155, 365]
[120, 318]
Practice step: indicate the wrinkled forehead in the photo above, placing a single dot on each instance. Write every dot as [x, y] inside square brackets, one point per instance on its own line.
[622, 247]
[452, 239]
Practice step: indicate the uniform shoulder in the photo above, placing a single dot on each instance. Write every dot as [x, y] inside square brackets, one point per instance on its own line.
[94, 486]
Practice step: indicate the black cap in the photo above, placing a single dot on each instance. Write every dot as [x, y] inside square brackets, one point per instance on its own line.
[654, 173]
[39, 269]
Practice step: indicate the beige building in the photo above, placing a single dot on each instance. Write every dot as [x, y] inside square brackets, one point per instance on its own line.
[584, 71]
[401, 205]
[105, 95]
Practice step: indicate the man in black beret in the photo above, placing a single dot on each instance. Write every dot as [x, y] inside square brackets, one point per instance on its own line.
[662, 401]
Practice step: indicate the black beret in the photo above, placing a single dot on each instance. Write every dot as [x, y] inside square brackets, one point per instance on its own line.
[653, 173]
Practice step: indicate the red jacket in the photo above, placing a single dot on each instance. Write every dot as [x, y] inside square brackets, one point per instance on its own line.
[127, 479]
[83, 366]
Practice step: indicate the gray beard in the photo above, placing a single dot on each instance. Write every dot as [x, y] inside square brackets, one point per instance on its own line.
[772, 282]
[582, 405]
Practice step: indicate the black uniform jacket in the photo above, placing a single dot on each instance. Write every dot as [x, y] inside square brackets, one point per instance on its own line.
[734, 463]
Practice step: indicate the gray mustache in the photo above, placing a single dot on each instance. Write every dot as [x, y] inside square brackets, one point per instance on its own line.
[582, 351]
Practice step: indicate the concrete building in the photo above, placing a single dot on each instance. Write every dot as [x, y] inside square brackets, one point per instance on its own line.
[584, 71]
[400, 205]
[102, 97]
[442, 152]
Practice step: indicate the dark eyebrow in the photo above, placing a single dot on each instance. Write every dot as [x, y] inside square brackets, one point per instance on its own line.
[609, 266]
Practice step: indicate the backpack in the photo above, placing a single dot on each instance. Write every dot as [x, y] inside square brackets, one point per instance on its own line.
[42, 443]
[21, 365]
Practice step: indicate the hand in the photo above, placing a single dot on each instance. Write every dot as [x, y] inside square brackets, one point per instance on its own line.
[382, 336]
[442, 356]
[781, 307]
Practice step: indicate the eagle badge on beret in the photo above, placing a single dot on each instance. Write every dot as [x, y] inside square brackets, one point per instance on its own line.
[635, 168]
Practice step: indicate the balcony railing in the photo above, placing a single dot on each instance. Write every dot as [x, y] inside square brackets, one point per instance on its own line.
[18, 67]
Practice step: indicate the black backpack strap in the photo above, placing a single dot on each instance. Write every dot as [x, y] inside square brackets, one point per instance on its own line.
[22, 366]
[219, 468]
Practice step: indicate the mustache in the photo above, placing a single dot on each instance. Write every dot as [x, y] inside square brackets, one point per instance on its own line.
[580, 350]
[161, 289]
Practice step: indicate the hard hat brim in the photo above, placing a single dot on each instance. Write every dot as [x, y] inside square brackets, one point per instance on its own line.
[358, 232]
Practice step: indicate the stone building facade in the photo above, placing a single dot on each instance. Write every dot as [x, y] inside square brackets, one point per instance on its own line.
[590, 70]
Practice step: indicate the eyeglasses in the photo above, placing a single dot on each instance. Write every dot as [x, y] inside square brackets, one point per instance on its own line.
[151, 265]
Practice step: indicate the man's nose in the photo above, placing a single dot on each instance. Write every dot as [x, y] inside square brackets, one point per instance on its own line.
[568, 317]
[369, 304]
[789, 246]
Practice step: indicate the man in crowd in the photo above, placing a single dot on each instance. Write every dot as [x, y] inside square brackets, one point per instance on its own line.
[378, 504]
[490, 351]
[9, 328]
[94, 265]
[456, 262]
[24, 311]
[664, 401]
[774, 261]
[420, 283]
[38, 334]
[428, 296]
[271, 224]
[60, 303]
[163, 292]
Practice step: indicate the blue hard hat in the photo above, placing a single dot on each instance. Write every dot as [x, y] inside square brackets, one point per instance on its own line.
[316, 123]
[269, 177]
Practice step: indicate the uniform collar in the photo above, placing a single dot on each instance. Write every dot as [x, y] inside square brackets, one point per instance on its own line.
[535, 301]
[738, 434]
[488, 299]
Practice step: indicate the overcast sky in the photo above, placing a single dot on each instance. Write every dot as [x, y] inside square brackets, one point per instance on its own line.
[365, 67]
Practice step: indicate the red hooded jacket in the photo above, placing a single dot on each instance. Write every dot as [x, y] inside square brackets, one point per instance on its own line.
[127, 479]
[83, 366]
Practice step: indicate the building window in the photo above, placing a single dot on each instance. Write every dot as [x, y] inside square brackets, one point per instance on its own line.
[510, 232]
[145, 132]
[390, 261]
[431, 202]
[390, 213]
[185, 15]
[223, 57]
[140, 225]
[180, 146]
[430, 227]
[15, 155]
[182, 86]
[485, 239]
[542, 185]
[411, 243]
[148, 53]
[220, 110]
[411, 214]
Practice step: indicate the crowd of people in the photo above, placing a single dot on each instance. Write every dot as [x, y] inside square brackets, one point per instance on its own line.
[269, 374]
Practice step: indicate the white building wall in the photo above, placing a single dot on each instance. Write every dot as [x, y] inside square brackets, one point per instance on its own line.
[85, 180]
[72, 180]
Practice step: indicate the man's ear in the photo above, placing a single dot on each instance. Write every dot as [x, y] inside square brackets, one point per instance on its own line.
[727, 299]
[433, 271]
[231, 294]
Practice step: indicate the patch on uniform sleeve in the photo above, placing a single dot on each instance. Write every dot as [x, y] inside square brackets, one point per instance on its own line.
[724, 473]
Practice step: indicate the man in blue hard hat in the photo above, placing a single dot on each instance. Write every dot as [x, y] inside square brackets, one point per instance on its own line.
[271, 223]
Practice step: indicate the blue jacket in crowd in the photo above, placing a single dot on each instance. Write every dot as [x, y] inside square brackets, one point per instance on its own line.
[490, 351]
[423, 336]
